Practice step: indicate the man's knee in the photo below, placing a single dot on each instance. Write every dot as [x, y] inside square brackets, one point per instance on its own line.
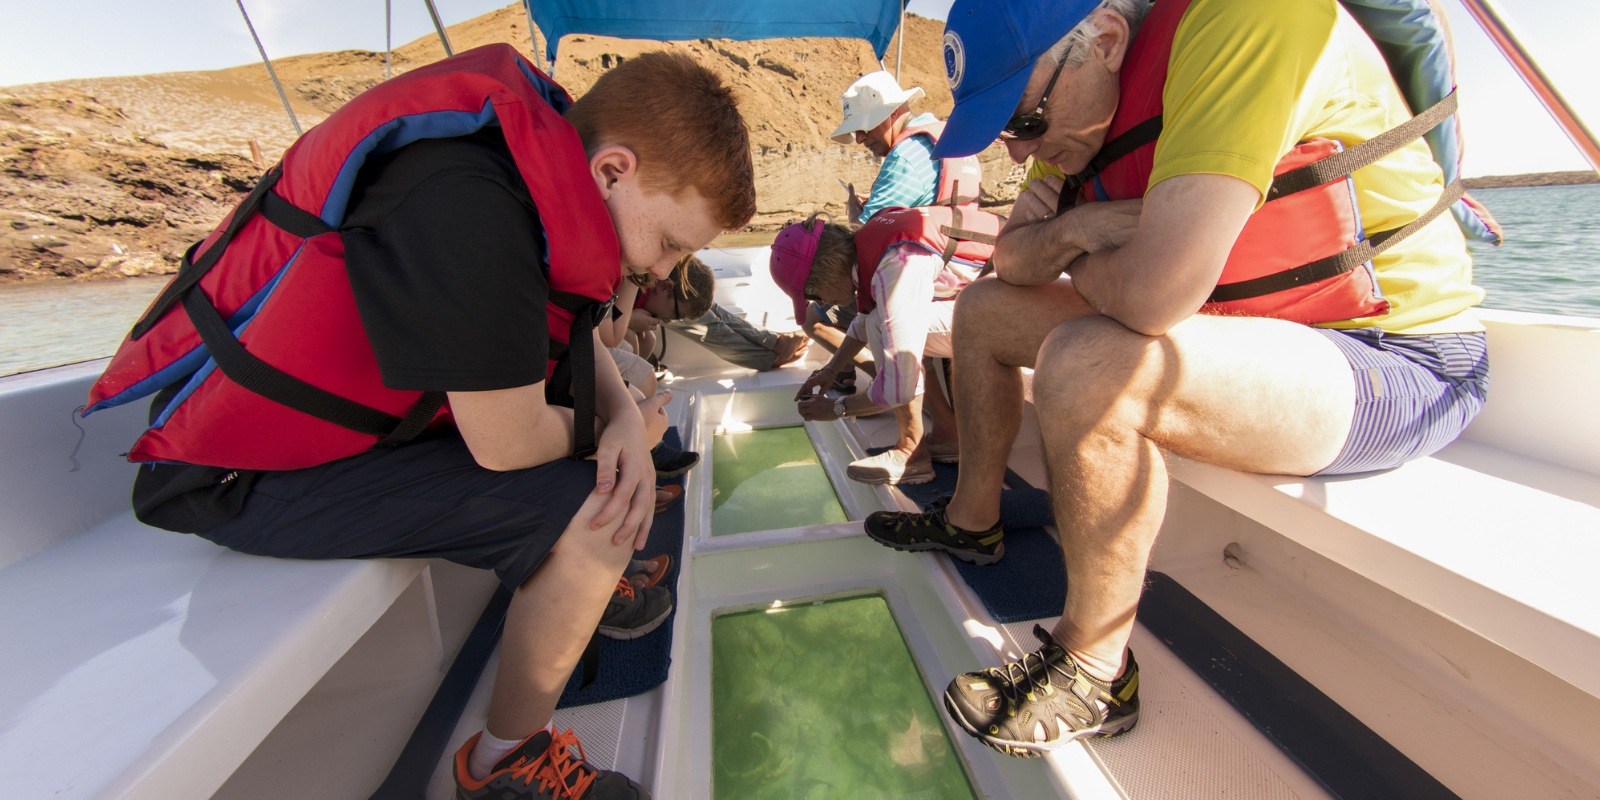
[1087, 364]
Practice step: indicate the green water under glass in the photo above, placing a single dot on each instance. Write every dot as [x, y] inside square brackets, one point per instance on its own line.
[822, 700]
[767, 480]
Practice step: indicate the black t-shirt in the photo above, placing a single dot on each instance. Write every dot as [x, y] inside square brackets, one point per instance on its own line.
[444, 248]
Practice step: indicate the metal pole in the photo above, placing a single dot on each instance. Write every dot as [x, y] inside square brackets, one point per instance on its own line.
[1500, 33]
[900, 50]
[388, 36]
[439, 26]
[271, 73]
[533, 41]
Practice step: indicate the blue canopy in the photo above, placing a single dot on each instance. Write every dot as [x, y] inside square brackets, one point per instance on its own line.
[666, 20]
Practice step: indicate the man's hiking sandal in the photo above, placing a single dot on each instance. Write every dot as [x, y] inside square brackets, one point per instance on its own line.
[1029, 707]
[931, 530]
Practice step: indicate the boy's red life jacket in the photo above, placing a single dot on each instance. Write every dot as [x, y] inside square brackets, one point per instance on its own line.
[1304, 255]
[961, 233]
[276, 370]
[960, 179]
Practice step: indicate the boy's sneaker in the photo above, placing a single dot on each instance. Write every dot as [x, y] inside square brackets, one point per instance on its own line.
[635, 612]
[930, 530]
[670, 462]
[544, 767]
[1032, 706]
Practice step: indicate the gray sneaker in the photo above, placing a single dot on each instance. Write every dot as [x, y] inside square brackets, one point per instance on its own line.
[889, 467]
[635, 612]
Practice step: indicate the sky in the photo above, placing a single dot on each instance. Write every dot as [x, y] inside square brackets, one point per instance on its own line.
[1507, 131]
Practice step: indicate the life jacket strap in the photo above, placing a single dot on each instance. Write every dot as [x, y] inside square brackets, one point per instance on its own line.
[1336, 264]
[250, 372]
[1365, 154]
[1115, 150]
[577, 365]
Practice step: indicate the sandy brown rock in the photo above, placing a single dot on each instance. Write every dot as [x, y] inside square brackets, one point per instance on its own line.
[114, 177]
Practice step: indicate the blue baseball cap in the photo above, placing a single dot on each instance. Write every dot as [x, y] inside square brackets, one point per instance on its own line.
[990, 47]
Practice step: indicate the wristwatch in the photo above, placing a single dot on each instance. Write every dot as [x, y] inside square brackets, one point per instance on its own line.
[838, 408]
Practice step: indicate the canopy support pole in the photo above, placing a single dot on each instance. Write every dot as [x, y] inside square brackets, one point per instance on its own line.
[900, 50]
[388, 37]
[1494, 24]
[271, 73]
[439, 27]
[533, 42]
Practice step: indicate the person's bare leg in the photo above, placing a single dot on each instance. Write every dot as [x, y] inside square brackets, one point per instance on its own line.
[550, 620]
[998, 330]
[908, 419]
[1258, 395]
[940, 411]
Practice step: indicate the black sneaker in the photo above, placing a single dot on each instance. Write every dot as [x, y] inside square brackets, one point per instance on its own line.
[930, 530]
[1030, 707]
[635, 612]
[544, 767]
[671, 462]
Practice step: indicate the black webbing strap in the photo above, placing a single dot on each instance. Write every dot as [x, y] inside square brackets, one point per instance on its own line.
[416, 420]
[191, 269]
[1365, 154]
[1130, 140]
[258, 376]
[292, 218]
[1338, 264]
[578, 365]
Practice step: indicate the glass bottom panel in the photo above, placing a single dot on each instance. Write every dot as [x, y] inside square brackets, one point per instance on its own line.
[768, 480]
[823, 701]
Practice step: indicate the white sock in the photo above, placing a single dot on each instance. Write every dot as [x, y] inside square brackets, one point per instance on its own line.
[488, 752]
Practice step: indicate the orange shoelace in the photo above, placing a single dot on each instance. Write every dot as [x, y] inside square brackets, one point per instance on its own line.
[556, 765]
[625, 588]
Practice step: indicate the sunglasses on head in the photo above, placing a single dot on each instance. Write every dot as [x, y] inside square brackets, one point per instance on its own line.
[1032, 124]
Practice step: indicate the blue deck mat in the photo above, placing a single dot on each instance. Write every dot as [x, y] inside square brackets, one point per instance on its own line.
[1030, 581]
[638, 665]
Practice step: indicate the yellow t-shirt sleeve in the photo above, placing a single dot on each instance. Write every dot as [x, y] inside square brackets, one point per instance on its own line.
[1254, 58]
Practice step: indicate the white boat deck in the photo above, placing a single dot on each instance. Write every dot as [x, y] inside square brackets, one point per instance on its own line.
[1462, 634]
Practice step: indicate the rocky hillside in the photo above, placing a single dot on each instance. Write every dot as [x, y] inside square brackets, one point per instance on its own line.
[115, 177]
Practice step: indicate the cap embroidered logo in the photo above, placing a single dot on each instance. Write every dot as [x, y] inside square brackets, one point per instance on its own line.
[955, 59]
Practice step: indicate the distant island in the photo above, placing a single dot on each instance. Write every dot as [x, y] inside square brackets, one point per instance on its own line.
[1533, 179]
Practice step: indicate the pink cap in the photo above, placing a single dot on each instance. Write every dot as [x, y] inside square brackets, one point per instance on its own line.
[792, 252]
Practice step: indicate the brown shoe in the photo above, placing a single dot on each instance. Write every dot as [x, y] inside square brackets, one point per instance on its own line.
[649, 572]
[667, 495]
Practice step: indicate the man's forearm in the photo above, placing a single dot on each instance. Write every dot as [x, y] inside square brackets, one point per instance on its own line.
[1036, 254]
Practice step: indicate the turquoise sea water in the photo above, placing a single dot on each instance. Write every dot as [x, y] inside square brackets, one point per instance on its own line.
[767, 480]
[823, 702]
[1549, 264]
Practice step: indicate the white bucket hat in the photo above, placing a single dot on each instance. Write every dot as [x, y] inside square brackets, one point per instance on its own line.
[869, 101]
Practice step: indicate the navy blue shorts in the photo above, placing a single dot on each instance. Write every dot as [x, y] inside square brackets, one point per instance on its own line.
[428, 499]
[1414, 394]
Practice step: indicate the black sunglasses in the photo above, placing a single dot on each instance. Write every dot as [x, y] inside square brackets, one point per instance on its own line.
[1032, 124]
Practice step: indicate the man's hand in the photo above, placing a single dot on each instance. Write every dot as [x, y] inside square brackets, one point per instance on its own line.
[817, 408]
[817, 382]
[791, 346]
[1037, 203]
[642, 320]
[624, 470]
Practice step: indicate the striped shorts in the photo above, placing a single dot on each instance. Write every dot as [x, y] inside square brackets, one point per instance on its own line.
[1414, 394]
